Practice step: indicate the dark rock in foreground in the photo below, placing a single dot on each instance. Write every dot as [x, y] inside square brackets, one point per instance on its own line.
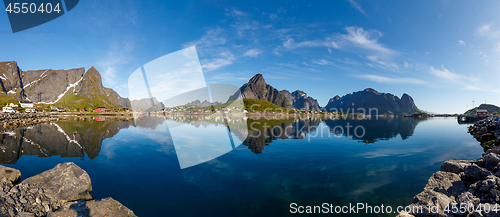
[473, 185]
[64, 190]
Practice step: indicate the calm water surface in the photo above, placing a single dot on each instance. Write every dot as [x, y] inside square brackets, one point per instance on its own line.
[137, 163]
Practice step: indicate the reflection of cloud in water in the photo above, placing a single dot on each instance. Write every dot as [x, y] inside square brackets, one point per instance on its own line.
[391, 152]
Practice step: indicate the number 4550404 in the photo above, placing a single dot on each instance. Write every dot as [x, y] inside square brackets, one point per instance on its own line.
[32, 8]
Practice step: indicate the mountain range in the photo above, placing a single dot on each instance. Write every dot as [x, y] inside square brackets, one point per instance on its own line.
[73, 88]
[368, 99]
[80, 89]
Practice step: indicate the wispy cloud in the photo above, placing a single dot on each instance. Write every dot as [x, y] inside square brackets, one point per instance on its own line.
[211, 38]
[224, 58]
[466, 83]
[119, 54]
[461, 42]
[356, 5]
[386, 64]
[407, 65]
[291, 44]
[387, 80]
[252, 53]
[486, 31]
[366, 39]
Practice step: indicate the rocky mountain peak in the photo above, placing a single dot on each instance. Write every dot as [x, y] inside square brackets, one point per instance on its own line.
[258, 80]
[371, 90]
[257, 88]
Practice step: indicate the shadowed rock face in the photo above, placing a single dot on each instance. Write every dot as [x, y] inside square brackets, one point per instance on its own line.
[47, 85]
[300, 100]
[257, 88]
[69, 138]
[367, 99]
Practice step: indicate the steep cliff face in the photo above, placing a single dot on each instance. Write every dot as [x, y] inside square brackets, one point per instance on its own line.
[257, 88]
[300, 100]
[384, 103]
[61, 87]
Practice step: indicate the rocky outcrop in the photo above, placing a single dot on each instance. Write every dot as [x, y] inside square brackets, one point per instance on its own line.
[257, 88]
[487, 132]
[369, 100]
[55, 183]
[9, 175]
[62, 191]
[95, 208]
[53, 86]
[473, 184]
[300, 100]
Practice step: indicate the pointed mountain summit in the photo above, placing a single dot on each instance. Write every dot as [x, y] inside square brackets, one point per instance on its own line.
[257, 88]
[369, 98]
[300, 100]
[73, 88]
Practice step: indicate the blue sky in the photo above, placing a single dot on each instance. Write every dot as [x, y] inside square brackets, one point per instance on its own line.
[445, 54]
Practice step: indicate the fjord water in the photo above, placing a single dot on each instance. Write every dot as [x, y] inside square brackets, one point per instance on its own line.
[316, 162]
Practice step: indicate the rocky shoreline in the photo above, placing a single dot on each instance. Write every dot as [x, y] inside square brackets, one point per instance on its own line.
[487, 132]
[22, 119]
[465, 188]
[65, 190]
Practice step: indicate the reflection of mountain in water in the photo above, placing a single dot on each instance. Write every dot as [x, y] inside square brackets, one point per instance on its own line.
[258, 139]
[66, 138]
[375, 129]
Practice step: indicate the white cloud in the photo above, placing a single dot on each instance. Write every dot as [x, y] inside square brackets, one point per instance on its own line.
[447, 75]
[225, 58]
[355, 5]
[252, 53]
[385, 80]
[118, 55]
[486, 31]
[461, 42]
[407, 65]
[236, 13]
[291, 44]
[211, 38]
[321, 62]
[376, 60]
[366, 39]
[227, 77]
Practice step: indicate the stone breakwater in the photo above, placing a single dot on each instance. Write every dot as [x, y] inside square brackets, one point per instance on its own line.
[64, 190]
[487, 132]
[22, 119]
[473, 185]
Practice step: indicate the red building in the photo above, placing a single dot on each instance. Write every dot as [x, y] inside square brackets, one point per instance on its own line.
[100, 109]
[482, 112]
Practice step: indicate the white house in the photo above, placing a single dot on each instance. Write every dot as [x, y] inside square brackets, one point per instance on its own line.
[26, 104]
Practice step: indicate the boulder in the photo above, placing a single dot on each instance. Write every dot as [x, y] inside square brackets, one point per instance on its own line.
[9, 174]
[474, 172]
[446, 183]
[454, 166]
[428, 199]
[492, 157]
[65, 182]
[96, 208]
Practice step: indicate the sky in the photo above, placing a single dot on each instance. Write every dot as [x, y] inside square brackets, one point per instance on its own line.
[445, 54]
